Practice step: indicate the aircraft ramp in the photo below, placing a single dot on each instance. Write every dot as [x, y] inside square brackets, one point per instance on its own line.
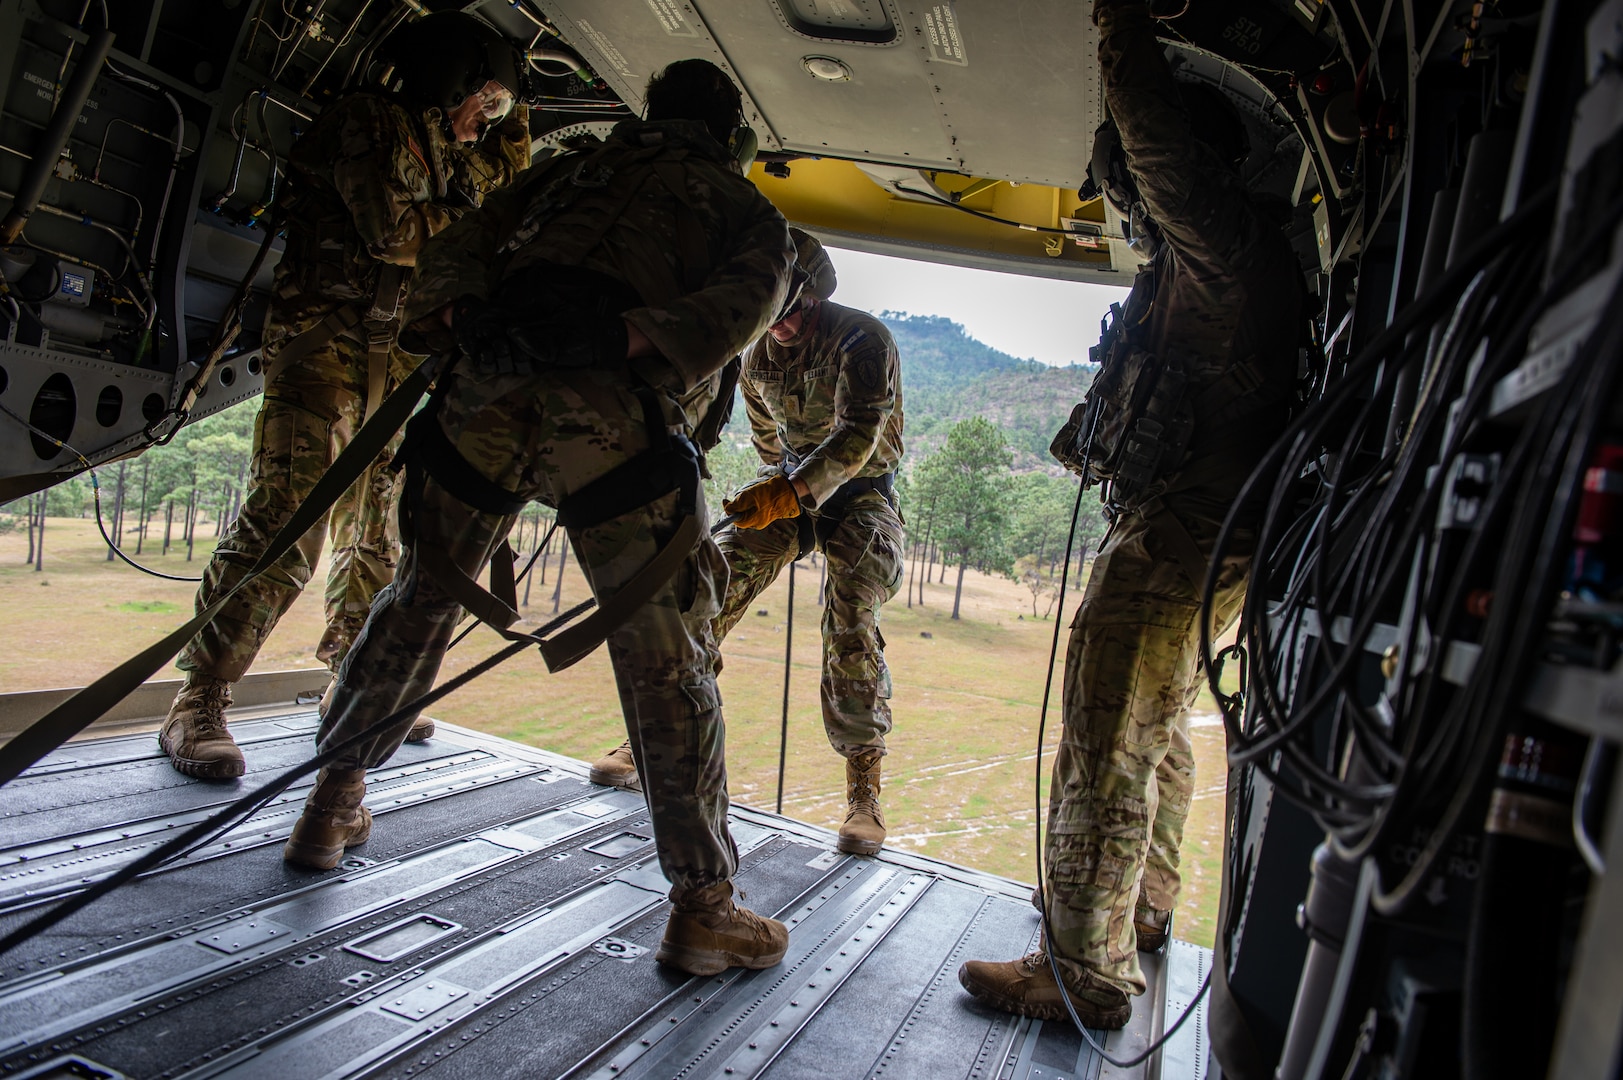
[500, 923]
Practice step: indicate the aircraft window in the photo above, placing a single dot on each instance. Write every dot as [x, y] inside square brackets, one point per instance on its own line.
[53, 411]
[864, 21]
[109, 405]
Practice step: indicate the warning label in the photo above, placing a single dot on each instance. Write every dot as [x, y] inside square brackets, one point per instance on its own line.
[671, 18]
[941, 27]
[601, 42]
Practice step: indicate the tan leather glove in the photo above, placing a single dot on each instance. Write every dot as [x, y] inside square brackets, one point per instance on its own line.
[763, 502]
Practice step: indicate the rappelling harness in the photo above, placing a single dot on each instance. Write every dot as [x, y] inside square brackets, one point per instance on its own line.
[550, 317]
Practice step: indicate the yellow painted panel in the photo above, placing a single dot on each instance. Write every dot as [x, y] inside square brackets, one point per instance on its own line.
[836, 195]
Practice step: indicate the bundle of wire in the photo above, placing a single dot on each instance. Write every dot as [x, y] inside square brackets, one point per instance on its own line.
[1348, 523]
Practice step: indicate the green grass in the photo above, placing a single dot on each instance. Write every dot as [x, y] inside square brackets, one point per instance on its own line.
[958, 780]
[149, 607]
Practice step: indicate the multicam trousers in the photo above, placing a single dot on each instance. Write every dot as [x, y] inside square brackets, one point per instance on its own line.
[312, 409]
[544, 437]
[864, 553]
[1124, 772]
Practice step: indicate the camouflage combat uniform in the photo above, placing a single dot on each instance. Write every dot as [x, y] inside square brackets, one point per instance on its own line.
[829, 410]
[369, 183]
[1225, 300]
[545, 435]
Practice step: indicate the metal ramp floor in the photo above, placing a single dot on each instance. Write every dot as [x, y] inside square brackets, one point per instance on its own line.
[500, 923]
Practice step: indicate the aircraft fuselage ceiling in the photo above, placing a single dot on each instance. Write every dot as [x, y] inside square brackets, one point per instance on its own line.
[153, 147]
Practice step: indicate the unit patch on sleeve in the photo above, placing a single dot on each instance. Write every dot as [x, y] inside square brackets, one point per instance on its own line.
[868, 364]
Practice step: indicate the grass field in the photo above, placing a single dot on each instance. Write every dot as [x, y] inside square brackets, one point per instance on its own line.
[958, 780]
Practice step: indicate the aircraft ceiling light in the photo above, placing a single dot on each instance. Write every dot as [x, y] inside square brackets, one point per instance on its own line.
[826, 68]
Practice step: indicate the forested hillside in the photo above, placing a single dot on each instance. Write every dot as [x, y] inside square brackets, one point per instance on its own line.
[948, 376]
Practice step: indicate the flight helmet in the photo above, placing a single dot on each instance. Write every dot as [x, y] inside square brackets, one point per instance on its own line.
[812, 276]
[443, 59]
[812, 258]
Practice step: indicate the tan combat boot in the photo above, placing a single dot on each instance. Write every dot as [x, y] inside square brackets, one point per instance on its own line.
[194, 734]
[864, 830]
[333, 820]
[708, 933]
[1154, 929]
[422, 728]
[617, 769]
[1027, 987]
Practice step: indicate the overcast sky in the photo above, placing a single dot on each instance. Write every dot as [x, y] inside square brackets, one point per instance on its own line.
[1051, 321]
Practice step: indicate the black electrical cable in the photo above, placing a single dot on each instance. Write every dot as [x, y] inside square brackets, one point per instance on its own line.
[1575, 413]
[95, 493]
[1385, 534]
[1431, 766]
[1295, 447]
[988, 217]
[215, 823]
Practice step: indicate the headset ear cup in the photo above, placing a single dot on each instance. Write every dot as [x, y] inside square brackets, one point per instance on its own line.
[743, 146]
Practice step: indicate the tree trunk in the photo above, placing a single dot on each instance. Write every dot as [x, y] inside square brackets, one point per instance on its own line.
[28, 513]
[959, 594]
[39, 548]
[912, 572]
[191, 518]
[118, 512]
[168, 524]
[558, 590]
[141, 530]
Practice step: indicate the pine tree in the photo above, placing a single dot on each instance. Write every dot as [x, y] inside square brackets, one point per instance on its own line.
[967, 480]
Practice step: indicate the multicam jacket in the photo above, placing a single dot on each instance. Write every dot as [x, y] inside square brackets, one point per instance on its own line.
[659, 206]
[368, 184]
[833, 401]
[1226, 297]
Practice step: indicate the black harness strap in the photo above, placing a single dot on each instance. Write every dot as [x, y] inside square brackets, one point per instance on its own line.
[671, 463]
[427, 449]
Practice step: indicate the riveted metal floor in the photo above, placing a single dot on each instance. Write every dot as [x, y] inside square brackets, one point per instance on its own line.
[500, 923]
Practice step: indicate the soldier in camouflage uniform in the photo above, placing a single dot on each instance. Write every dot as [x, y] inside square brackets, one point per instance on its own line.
[824, 396]
[375, 177]
[1222, 296]
[594, 304]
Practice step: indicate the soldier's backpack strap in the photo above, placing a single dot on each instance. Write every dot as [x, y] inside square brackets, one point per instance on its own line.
[381, 325]
[339, 324]
[716, 417]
